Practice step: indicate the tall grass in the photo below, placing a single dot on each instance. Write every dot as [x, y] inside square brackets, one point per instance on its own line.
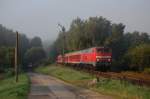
[66, 74]
[122, 89]
[9, 89]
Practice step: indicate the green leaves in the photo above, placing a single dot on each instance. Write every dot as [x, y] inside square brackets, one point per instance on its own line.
[139, 56]
[36, 42]
[84, 34]
[35, 55]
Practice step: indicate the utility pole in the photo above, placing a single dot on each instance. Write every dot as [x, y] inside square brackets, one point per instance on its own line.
[16, 57]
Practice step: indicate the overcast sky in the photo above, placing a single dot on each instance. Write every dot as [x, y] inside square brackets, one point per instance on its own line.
[40, 17]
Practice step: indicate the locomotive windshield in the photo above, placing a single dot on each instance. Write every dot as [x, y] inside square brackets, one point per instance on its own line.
[103, 50]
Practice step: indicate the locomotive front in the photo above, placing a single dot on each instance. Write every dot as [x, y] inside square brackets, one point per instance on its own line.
[103, 56]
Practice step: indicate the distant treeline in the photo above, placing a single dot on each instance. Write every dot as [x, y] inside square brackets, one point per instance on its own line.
[30, 50]
[130, 50]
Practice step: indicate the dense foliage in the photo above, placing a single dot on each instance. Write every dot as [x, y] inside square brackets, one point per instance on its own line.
[35, 55]
[7, 48]
[98, 31]
[6, 58]
[139, 56]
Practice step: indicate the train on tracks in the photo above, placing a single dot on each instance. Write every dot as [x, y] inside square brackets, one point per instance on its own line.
[98, 57]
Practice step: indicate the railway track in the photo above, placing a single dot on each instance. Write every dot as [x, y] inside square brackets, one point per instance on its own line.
[134, 78]
[122, 77]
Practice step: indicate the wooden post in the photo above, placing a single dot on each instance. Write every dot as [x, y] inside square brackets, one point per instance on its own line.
[16, 57]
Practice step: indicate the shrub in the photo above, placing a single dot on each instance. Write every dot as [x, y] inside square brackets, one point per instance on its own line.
[138, 57]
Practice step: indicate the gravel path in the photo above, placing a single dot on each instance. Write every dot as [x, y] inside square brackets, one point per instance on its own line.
[47, 87]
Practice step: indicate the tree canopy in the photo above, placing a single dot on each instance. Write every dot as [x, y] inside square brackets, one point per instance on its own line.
[138, 56]
[35, 55]
[36, 42]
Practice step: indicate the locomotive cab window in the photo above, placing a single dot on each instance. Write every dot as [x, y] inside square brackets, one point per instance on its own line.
[103, 50]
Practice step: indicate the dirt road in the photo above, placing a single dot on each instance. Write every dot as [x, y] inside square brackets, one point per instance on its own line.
[47, 87]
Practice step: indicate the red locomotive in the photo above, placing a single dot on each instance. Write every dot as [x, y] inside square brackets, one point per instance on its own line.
[95, 56]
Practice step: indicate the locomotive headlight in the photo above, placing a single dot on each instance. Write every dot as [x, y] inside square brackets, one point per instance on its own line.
[97, 59]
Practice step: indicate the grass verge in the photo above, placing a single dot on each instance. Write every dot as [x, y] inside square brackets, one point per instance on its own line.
[121, 90]
[9, 89]
[66, 74]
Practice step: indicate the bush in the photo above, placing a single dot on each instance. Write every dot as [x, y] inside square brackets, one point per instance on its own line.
[35, 55]
[138, 57]
[147, 70]
[9, 72]
[46, 62]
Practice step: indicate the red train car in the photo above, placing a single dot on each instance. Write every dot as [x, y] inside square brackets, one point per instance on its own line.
[95, 56]
[59, 59]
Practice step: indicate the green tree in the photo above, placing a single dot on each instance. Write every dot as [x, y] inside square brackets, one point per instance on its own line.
[6, 58]
[36, 42]
[53, 53]
[84, 34]
[115, 40]
[136, 38]
[75, 35]
[35, 55]
[138, 57]
[97, 29]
